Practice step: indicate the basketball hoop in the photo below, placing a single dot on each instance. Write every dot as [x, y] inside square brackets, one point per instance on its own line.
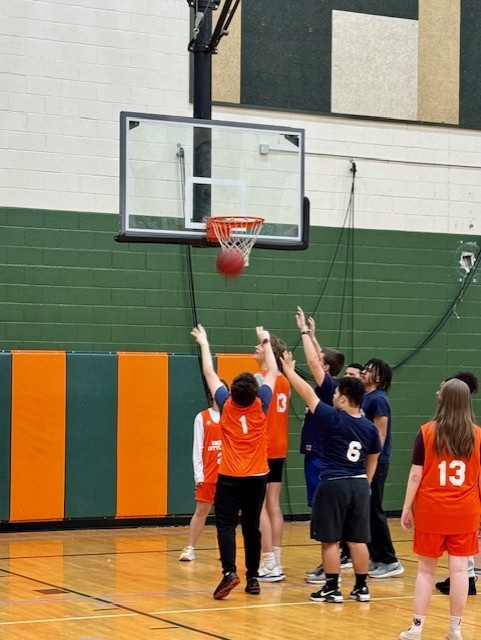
[235, 232]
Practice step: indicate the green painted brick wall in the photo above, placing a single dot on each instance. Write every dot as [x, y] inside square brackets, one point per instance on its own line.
[66, 284]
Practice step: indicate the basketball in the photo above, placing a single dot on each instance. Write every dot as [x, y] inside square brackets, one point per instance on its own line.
[230, 263]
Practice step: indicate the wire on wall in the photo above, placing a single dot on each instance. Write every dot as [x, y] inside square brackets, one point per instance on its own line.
[450, 311]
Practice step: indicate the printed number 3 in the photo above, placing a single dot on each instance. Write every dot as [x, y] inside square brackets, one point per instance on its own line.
[457, 478]
[243, 422]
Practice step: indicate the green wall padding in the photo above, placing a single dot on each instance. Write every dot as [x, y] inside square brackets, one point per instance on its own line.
[91, 436]
[5, 432]
[186, 399]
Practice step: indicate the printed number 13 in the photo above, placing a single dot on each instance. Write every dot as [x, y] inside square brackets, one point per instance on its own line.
[243, 422]
[457, 478]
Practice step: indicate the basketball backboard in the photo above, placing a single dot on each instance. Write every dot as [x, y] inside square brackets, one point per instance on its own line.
[177, 172]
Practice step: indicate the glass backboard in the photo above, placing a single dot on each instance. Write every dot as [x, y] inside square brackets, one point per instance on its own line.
[177, 172]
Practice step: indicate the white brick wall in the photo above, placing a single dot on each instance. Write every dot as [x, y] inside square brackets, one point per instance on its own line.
[68, 68]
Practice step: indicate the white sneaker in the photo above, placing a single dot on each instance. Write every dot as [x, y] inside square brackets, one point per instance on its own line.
[410, 635]
[453, 636]
[187, 554]
[272, 575]
[386, 570]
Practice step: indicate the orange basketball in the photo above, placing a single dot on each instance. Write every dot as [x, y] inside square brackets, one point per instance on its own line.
[230, 263]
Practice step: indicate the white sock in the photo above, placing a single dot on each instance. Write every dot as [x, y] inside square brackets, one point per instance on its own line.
[418, 623]
[455, 625]
[269, 560]
[277, 555]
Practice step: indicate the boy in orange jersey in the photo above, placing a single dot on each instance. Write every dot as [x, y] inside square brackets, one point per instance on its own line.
[443, 503]
[272, 518]
[206, 455]
[241, 484]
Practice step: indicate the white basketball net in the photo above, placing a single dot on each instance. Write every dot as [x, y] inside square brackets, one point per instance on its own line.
[236, 232]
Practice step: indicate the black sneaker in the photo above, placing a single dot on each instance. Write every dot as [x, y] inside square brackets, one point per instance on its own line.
[346, 562]
[225, 586]
[361, 595]
[443, 586]
[327, 595]
[252, 586]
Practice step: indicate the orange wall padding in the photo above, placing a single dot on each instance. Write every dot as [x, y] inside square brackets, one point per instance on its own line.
[230, 364]
[142, 434]
[38, 435]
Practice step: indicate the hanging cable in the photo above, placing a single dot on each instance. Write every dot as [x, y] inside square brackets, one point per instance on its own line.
[331, 266]
[188, 257]
[347, 224]
[468, 278]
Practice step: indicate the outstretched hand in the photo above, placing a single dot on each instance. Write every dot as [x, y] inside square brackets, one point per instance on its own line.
[199, 334]
[311, 323]
[301, 320]
[288, 362]
[262, 334]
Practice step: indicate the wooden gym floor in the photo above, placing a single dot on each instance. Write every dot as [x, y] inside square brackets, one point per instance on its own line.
[127, 584]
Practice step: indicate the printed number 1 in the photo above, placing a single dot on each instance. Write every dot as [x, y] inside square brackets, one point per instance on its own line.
[457, 478]
[243, 422]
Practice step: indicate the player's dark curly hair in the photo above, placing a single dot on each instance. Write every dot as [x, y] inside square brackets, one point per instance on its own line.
[382, 371]
[353, 389]
[469, 378]
[244, 389]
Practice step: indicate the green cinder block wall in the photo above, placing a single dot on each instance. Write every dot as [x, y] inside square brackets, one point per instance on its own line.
[66, 284]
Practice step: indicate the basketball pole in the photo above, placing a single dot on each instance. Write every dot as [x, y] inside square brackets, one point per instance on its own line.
[200, 47]
[203, 46]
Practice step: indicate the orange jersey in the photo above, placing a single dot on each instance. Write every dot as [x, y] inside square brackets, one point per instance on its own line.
[244, 441]
[278, 418]
[207, 451]
[448, 500]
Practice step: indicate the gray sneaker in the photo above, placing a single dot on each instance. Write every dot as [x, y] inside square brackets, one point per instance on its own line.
[316, 571]
[386, 570]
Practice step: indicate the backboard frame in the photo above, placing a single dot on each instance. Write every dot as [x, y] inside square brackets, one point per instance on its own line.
[195, 236]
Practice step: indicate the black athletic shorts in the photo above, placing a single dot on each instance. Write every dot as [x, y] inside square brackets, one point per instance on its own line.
[341, 511]
[275, 469]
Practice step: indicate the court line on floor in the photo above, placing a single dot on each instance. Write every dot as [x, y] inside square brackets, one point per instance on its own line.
[165, 612]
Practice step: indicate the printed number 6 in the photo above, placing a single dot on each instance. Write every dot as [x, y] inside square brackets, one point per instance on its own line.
[354, 452]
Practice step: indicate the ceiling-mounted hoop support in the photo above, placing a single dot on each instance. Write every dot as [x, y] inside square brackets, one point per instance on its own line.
[234, 232]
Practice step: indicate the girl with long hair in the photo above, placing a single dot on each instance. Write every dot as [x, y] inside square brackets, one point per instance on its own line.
[443, 502]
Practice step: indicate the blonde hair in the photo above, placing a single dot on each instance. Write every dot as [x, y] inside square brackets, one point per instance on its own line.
[454, 420]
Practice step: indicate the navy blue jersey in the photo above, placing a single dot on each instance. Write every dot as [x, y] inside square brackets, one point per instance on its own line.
[345, 442]
[310, 437]
[375, 404]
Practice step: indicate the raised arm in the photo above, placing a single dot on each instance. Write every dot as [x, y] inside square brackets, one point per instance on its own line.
[311, 323]
[210, 375]
[301, 386]
[314, 361]
[270, 360]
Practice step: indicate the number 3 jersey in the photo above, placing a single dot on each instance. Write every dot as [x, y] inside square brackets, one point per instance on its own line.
[345, 442]
[447, 500]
